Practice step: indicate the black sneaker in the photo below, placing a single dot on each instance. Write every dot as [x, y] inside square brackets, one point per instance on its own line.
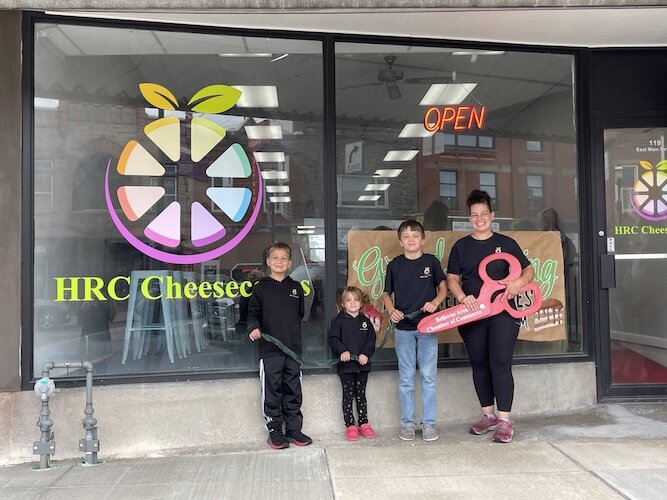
[298, 438]
[277, 440]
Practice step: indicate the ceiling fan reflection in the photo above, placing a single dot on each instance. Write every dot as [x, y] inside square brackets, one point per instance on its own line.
[390, 78]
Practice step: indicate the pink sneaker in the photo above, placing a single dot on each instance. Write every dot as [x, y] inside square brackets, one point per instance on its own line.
[351, 433]
[504, 431]
[366, 431]
[487, 422]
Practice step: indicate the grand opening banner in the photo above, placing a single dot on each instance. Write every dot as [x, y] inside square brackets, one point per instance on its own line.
[369, 252]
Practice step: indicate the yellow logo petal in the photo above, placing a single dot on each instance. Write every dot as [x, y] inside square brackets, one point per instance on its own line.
[159, 96]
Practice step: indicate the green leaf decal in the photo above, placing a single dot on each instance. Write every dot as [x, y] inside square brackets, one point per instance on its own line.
[159, 96]
[662, 165]
[440, 248]
[214, 99]
[646, 165]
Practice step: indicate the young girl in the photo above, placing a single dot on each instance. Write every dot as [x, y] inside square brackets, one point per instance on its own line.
[352, 333]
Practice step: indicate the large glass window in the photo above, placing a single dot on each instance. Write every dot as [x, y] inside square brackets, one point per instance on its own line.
[444, 122]
[165, 163]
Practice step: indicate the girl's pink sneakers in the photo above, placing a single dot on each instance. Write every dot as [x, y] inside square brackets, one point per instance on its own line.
[352, 432]
[367, 431]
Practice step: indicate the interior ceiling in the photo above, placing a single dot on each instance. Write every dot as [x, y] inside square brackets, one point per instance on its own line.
[518, 88]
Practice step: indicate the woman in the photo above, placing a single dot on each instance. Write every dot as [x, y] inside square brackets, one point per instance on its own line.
[489, 341]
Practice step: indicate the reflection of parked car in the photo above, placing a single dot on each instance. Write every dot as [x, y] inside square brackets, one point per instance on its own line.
[315, 274]
[312, 270]
[49, 313]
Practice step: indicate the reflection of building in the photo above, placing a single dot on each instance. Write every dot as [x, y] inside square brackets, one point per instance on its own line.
[532, 173]
[547, 106]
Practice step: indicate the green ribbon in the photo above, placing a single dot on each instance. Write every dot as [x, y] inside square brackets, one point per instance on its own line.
[323, 363]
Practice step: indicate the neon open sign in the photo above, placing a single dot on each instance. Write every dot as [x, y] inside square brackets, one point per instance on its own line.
[454, 117]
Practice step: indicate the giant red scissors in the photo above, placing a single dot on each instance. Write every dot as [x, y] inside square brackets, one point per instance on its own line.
[491, 300]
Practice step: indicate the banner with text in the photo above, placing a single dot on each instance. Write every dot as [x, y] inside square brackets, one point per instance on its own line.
[369, 252]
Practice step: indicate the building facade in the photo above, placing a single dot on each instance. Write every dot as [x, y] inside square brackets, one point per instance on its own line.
[148, 164]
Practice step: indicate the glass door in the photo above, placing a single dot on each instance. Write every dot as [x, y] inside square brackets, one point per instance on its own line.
[634, 269]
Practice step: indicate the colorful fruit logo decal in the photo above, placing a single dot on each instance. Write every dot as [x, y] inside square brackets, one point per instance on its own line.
[649, 194]
[136, 199]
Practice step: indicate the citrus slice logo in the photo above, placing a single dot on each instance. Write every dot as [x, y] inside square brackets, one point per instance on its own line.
[649, 193]
[136, 162]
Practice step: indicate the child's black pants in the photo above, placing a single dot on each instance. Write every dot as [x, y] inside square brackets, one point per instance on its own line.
[280, 378]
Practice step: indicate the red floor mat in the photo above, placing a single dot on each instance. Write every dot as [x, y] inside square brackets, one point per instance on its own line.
[629, 367]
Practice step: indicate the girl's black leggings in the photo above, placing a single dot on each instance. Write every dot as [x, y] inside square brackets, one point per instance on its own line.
[354, 387]
[490, 345]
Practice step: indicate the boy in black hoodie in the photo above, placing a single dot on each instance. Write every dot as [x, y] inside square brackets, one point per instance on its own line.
[276, 308]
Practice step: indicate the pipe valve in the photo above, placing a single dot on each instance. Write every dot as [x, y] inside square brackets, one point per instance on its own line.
[44, 388]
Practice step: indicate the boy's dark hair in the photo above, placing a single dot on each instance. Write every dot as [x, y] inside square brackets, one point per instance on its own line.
[476, 197]
[278, 245]
[354, 291]
[410, 224]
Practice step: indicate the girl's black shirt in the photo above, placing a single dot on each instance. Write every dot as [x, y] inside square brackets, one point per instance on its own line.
[276, 308]
[356, 335]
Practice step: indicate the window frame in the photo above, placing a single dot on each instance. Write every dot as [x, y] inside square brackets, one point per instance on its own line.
[485, 187]
[168, 198]
[538, 146]
[45, 170]
[453, 202]
[328, 51]
[533, 199]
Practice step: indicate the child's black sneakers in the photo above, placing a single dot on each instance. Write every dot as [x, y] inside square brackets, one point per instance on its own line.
[277, 440]
[298, 438]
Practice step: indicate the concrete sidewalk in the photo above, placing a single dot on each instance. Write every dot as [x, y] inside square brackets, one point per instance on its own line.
[606, 451]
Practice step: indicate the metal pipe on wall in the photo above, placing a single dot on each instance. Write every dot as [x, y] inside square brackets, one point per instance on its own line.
[44, 389]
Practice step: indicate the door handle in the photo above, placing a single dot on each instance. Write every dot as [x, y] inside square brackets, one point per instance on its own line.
[607, 271]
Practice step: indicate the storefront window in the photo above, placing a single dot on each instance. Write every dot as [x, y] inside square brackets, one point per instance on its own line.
[164, 164]
[432, 124]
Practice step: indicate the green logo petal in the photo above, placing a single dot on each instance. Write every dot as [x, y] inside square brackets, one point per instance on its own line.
[214, 99]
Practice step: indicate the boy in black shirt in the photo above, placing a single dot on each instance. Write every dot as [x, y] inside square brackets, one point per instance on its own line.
[276, 308]
[417, 283]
